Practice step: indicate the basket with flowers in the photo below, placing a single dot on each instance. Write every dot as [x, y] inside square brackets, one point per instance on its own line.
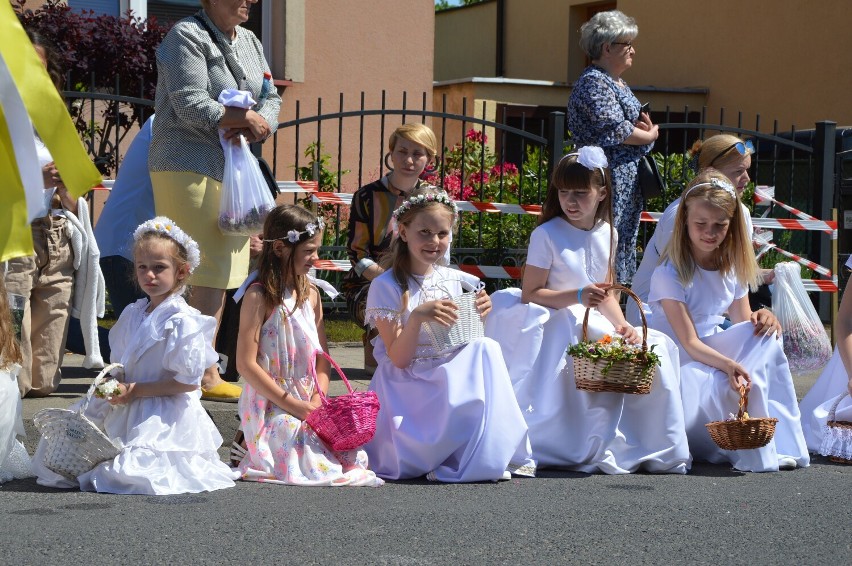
[611, 364]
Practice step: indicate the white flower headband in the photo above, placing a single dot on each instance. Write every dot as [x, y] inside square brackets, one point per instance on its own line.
[417, 200]
[591, 157]
[165, 226]
[716, 184]
[311, 228]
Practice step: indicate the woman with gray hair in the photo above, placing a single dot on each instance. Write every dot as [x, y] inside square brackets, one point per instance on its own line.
[603, 111]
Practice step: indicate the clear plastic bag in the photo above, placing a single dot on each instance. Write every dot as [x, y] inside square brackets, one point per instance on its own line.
[806, 342]
[245, 195]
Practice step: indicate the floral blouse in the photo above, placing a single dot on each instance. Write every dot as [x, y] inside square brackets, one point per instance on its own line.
[602, 113]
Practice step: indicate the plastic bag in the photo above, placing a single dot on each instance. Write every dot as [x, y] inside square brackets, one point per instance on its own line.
[245, 196]
[806, 342]
[246, 199]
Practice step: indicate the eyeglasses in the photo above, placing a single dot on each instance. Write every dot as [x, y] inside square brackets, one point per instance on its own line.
[626, 44]
[743, 148]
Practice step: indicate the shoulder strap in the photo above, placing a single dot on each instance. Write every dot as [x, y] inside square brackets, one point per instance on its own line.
[215, 41]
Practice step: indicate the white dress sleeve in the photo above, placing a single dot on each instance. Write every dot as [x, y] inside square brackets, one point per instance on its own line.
[189, 346]
[540, 251]
[384, 300]
[666, 285]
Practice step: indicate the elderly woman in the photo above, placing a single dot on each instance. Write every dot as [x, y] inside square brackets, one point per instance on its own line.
[199, 58]
[602, 111]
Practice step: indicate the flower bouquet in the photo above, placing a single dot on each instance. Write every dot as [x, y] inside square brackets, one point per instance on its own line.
[611, 364]
[107, 389]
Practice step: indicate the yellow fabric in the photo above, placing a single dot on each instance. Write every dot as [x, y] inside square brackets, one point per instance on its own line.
[51, 119]
[192, 201]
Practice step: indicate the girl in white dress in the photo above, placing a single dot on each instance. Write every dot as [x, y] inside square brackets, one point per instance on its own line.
[281, 325]
[706, 271]
[729, 155]
[14, 460]
[569, 268]
[835, 381]
[450, 416]
[169, 443]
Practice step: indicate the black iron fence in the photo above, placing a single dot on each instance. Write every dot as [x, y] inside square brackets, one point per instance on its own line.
[482, 158]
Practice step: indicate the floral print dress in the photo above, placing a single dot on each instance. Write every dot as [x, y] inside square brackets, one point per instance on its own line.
[281, 448]
[602, 112]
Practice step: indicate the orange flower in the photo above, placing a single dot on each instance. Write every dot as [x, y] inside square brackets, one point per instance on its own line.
[605, 340]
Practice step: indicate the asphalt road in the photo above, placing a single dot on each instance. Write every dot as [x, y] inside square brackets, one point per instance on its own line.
[711, 516]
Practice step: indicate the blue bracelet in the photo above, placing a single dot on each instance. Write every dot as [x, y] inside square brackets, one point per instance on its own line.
[580, 296]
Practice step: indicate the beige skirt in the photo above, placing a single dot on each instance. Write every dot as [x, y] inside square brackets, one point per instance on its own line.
[192, 202]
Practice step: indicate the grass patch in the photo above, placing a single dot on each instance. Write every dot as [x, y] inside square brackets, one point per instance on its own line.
[342, 330]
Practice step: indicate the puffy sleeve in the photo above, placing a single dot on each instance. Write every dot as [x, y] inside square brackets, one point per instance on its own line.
[384, 300]
[189, 346]
[540, 251]
[740, 290]
[666, 285]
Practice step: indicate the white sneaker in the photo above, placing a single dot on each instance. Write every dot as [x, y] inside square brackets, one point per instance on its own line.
[507, 475]
[431, 476]
[787, 463]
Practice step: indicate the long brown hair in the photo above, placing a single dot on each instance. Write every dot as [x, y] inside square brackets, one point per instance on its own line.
[569, 174]
[275, 273]
[398, 256]
[10, 350]
[735, 254]
[54, 64]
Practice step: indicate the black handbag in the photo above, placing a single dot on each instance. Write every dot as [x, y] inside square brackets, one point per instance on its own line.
[265, 169]
[649, 178]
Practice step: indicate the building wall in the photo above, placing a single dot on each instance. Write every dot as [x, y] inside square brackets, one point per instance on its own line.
[355, 47]
[786, 60]
[468, 41]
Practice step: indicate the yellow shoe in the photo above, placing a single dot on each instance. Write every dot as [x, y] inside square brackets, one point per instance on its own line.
[224, 392]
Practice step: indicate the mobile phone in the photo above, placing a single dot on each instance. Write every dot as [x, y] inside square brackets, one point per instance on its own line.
[646, 108]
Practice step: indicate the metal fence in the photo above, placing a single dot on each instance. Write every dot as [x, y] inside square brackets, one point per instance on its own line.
[799, 164]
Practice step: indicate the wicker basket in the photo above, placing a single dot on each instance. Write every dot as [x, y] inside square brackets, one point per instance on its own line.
[346, 422]
[73, 444]
[468, 326]
[624, 376]
[742, 433]
[837, 435]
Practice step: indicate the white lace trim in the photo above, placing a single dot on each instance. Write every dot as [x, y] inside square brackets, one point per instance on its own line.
[375, 314]
[836, 442]
[17, 465]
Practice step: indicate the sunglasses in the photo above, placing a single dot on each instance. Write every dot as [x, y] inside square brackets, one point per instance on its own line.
[627, 45]
[743, 148]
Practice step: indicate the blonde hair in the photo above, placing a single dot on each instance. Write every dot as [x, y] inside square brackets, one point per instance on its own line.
[569, 174]
[398, 256]
[735, 254]
[10, 350]
[717, 151]
[421, 134]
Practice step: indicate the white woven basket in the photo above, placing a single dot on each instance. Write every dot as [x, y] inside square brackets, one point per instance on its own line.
[468, 326]
[73, 444]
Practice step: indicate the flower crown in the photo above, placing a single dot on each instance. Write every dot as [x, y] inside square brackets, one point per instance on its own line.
[591, 157]
[441, 197]
[165, 226]
[295, 236]
[716, 184]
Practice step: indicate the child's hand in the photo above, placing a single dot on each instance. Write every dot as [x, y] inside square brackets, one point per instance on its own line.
[737, 376]
[767, 276]
[629, 334]
[765, 323]
[483, 303]
[125, 395]
[442, 311]
[592, 295]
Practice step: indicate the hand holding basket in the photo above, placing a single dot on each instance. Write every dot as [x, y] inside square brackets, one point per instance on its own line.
[634, 376]
[73, 443]
[468, 325]
[742, 433]
[346, 422]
